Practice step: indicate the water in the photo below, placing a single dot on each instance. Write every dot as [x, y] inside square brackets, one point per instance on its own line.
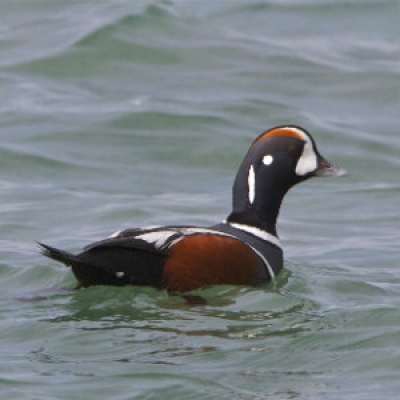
[118, 114]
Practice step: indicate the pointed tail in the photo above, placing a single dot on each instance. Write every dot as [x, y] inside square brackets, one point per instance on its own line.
[62, 256]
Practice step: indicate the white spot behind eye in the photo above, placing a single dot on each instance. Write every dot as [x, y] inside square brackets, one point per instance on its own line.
[268, 159]
[251, 182]
[120, 274]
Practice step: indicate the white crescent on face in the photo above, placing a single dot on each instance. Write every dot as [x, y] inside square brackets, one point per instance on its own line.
[308, 161]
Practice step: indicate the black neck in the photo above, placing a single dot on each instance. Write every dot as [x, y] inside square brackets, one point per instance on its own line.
[261, 214]
[267, 184]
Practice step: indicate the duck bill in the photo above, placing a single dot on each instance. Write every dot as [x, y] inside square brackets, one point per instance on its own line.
[325, 168]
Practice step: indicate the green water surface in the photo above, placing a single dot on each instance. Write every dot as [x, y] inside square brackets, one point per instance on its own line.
[117, 114]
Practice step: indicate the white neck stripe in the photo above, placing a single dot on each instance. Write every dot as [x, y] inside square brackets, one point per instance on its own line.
[264, 235]
[251, 183]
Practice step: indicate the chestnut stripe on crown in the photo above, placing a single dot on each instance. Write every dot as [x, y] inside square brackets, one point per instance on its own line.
[283, 131]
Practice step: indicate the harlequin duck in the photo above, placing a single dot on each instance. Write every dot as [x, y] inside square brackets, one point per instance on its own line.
[244, 249]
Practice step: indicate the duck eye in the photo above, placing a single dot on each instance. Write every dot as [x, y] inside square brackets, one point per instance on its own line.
[294, 151]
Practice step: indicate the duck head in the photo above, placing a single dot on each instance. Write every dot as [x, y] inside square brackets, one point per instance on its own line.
[277, 160]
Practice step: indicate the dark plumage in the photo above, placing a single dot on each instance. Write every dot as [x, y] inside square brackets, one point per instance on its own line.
[244, 249]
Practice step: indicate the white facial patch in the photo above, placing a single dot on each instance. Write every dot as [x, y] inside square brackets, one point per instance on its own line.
[251, 182]
[308, 160]
[268, 159]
